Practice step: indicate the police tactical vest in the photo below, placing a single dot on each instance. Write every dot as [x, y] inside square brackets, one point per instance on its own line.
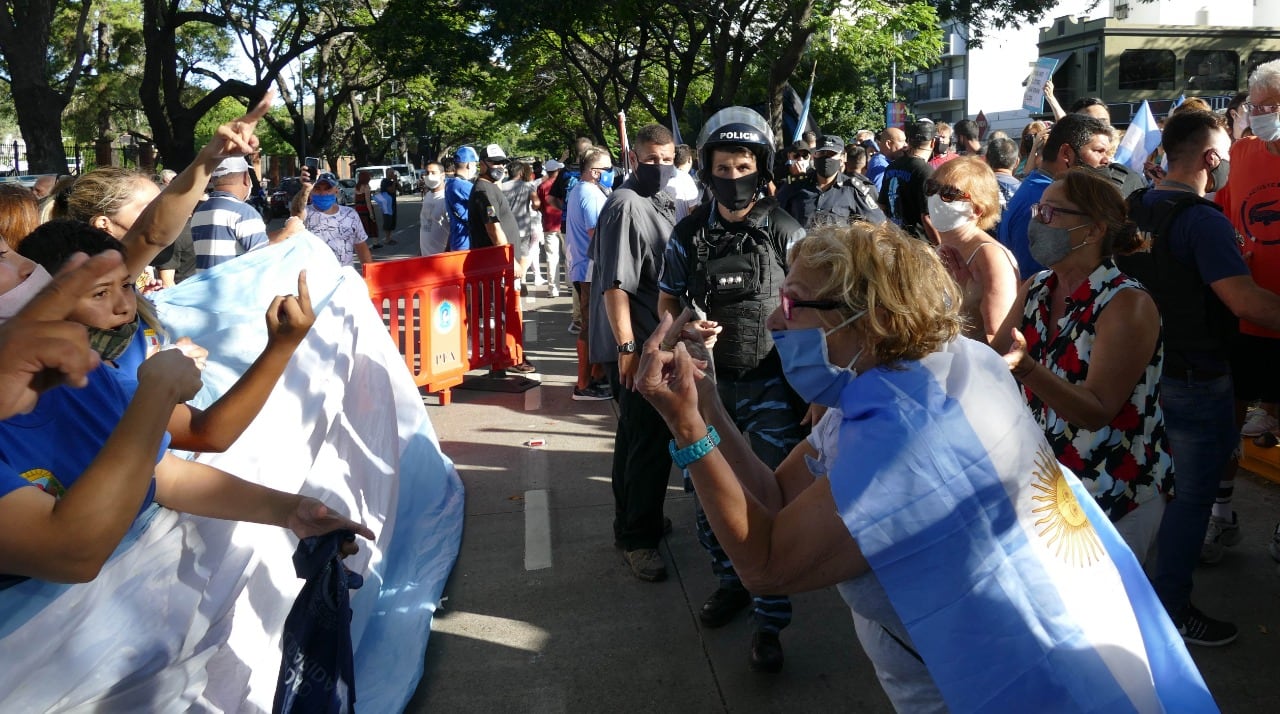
[736, 277]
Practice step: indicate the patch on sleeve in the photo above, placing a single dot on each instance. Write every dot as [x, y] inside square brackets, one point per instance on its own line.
[45, 481]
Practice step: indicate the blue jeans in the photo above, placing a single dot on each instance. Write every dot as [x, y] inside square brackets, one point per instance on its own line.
[1203, 435]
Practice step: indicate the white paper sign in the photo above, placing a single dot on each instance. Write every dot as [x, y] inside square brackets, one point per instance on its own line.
[1033, 99]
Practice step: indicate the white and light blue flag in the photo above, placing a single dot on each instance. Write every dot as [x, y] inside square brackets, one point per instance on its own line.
[1140, 139]
[1016, 590]
[187, 614]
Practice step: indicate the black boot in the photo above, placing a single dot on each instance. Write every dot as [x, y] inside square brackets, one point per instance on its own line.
[766, 652]
[723, 604]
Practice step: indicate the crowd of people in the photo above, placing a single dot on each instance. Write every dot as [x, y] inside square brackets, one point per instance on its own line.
[809, 335]
[1112, 295]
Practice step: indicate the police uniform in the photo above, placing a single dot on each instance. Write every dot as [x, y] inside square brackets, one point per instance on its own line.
[732, 273]
[845, 201]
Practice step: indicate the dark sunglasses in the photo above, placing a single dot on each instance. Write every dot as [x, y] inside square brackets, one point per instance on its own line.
[1044, 212]
[789, 303]
[948, 193]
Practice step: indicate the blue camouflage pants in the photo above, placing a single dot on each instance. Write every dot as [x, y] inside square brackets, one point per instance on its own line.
[768, 413]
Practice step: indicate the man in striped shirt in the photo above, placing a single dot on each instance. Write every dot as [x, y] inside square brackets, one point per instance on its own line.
[224, 226]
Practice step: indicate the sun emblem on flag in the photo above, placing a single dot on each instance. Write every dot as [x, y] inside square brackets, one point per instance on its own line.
[1071, 536]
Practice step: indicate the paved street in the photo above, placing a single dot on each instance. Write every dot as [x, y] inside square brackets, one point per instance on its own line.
[541, 614]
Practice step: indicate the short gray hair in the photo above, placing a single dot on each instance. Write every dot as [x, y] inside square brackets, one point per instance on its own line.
[1266, 77]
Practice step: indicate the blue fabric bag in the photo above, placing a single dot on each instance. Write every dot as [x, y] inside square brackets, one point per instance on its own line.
[317, 672]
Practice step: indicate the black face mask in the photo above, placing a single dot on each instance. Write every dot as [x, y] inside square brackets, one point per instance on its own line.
[1218, 176]
[828, 166]
[648, 179]
[735, 194]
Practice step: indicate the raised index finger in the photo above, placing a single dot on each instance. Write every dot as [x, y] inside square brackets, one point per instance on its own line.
[304, 292]
[260, 109]
[59, 298]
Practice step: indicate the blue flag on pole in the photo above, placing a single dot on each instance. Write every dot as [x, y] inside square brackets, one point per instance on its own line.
[1140, 139]
[803, 120]
[675, 123]
[1016, 590]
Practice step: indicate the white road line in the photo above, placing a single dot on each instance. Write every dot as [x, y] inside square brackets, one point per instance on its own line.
[537, 530]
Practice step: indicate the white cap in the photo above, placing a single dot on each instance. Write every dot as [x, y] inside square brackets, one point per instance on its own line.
[231, 165]
[552, 165]
[493, 152]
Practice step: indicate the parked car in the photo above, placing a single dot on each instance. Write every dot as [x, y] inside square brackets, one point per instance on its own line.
[281, 196]
[25, 180]
[346, 191]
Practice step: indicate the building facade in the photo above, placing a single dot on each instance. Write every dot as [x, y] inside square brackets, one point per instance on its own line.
[1123, 51]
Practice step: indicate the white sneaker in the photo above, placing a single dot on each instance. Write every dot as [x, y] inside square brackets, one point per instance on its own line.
[1220, 535]
[555, 291]
[1258, 423]
[539, 281]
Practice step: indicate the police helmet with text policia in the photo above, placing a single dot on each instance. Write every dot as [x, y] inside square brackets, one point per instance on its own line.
[736, 126]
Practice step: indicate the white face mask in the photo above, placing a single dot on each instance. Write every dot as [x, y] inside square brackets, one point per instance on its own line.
[17, 298]
[432, 180]
[949, 216]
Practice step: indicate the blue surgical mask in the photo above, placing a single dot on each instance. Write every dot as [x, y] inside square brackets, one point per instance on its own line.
[606, 179]
[807, 368]
[1266, 126]
[323, 201]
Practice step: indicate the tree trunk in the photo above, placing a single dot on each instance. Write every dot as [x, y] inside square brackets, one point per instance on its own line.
[39, 111]
[24, 41]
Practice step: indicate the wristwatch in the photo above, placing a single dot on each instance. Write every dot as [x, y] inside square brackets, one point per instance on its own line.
[627, 348]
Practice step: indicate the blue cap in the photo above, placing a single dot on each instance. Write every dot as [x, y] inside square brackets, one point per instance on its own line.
[467, 155]
[327, 177]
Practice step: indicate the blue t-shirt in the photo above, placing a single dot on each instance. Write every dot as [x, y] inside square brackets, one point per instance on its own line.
[581, 211]
[55, 443]
[875, 169]
[457, 196]
[1204, 237]
[1016, 218]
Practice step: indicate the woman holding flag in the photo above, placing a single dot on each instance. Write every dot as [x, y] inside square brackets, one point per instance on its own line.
[973, 563]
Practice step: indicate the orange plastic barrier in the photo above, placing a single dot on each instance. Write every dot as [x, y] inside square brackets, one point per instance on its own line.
[450, 313]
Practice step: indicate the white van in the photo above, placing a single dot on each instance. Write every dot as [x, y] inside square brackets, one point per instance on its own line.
[376, 173]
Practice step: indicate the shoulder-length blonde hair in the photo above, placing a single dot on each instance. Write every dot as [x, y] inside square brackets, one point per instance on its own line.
[911, 301]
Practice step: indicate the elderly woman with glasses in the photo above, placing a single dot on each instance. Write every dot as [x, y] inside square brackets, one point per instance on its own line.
[964, 203]
[1085, 344]
[972, 563]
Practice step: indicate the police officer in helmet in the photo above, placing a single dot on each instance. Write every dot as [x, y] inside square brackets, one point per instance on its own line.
[727, 259]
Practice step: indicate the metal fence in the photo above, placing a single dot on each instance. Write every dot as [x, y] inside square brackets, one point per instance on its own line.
[80, 157]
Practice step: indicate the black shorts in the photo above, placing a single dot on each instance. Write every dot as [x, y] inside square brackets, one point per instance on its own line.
[1255, 368]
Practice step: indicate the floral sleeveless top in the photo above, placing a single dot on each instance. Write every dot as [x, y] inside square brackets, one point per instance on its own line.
[1127, 462]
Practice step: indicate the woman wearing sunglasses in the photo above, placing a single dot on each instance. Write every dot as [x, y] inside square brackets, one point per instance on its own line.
[926, 493]
[964, 202]
[1086, 347]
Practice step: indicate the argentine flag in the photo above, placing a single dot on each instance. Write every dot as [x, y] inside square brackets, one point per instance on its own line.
[1016, 590]
[1140, 139]
[187, 614]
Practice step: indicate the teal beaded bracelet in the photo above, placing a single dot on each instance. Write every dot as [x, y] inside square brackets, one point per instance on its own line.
[696, 450]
